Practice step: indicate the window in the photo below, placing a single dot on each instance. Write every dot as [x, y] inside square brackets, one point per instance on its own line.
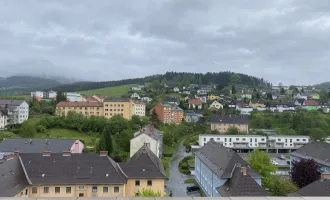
[81, 194]
[116, 189]
[204, 139]
[114, 105]
[243, 139]
[34, 190]
[304, 140]
[46, 189]
[255, 140]
[218, 138]
[57, 189]
[137, 183]
[290, 140]
[110, 105]
[106, 105]
[118, 105]
[105, 189]
[114, 110]
[149, 183]
[122, 109]
[122, 105]
[106, 109]
[298, 140]
[250, 139]
[225, 139]
[262, 139]
[94, 189]
[229, 139]
[68, 190]
[237, 139]
[81, 187]
[278, 139]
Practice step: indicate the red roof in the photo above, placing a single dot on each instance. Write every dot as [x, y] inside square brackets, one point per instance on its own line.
[310, 103]
[138, 102]
[195, 102]
[79, 104]
[90, 99]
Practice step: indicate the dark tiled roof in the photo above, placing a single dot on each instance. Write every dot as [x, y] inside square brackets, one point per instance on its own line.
[12, 179]
[259, 101]
[117, 100]
[222, 160]
[241, 185]
[317, 188]
[230, 119]
[143, 164]
[11, 102]
[316, 150]
[170, 99]
[150, 131]
[301, 101]
[35, 145]
[74, 169]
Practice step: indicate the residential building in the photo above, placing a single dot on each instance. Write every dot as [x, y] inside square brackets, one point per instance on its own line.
[149, 136]
[17, 110]
[135, 96]
[247, 96]
[235, 141]
[186, 91]
[138, 108]
[37, 94]
[202, 98]
[13, 181]
[192, 117]
[176, 89]
[89, 99]
[212, 97]
[99, 98]
[223, 122]
[254, 103]
[84, 108]
[204, 90]
[317, 151]
[137, 87]
[195, 104]
[232, 104]
[51, 94]
[216, 105]
[221, 172]
[244, 109]
[73, 97]
[319, 188]
[3, 119]
[299, 102]
[118, 106]
[171, 100]
[169, 114]
[146, 99]
[38, 145]
[287, 141]
[91, 175]
[310, 105]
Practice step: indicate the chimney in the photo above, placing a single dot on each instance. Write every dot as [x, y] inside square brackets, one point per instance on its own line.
[9, 156]
[47, 153]
[66, 153]
[16, 153]
[243, 170]
[103, 153]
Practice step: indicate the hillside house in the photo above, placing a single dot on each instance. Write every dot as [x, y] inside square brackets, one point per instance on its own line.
[216, 105]
[310, 105]
[195, 104]
[135, 96]
[222, 123]
[176, 89]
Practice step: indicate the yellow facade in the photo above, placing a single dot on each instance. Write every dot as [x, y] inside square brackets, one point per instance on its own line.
[157, 185]
[256, 105]
[86, 111]
[123, 108]
[222, 128]
[213, 97]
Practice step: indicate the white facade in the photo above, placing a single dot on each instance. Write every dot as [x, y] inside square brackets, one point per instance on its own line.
[137, 142]
[3, 120]
[23, 113]
[176, 89]
[254, 141]
[216, 105]
[73, 97]
[139, 108]
[135, 96]
[39, 94]
[147, 99]
[52, 94]
[244, 110]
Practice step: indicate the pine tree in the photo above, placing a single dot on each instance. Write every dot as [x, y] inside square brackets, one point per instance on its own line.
[105, 143]
[154, 118]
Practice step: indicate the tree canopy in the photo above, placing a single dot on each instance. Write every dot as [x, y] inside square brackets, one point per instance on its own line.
[304, 172]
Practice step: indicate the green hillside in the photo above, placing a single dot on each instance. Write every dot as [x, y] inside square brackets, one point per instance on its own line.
[116, 91]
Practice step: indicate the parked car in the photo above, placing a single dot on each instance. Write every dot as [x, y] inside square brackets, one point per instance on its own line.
[281, 157]
[274, 162]
[192, 188]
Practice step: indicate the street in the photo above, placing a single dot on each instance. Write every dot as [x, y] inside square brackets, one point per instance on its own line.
[176, 179]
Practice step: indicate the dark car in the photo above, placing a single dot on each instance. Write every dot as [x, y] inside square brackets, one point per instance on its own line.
[192, 188]
[281, 157]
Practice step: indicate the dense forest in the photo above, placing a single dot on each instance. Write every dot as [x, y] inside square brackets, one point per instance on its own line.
[302, 122]
[220, 78]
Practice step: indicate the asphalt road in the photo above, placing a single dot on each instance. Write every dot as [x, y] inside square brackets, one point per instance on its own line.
[175, 183]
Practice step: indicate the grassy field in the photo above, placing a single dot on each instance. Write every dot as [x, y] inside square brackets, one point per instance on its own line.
[15, 97]
[116, 91]
[67, 134]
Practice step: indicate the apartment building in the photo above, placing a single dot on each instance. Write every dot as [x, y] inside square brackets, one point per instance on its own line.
[235, 141]
[221, 123]
[138, 108]
[288, 141]
[3, 119]
[37, 94]
[169, 114]
[118, 106]
[17, 110]
[73, 97]
[50, 175]
[85, 108]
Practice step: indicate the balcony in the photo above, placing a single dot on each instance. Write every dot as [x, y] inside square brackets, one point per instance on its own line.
[240, 145]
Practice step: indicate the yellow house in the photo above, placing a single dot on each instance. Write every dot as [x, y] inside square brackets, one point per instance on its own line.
[212, 97]
[49, 175]
[85, 108]
[224, 122]
[118, 106]
[254, 103]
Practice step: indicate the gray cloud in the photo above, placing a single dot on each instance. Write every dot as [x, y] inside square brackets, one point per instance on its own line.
[281, 41]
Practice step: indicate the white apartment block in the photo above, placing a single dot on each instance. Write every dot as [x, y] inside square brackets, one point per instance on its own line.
[18, 110]
[139, 108]
[3, 119]
[39, 94]
[73, 97]
[254, 141]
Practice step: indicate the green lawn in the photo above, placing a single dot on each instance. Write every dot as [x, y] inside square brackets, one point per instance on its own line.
[166, 163]
[66, 134]
[116, 91]
[14, 97]
[189, 181]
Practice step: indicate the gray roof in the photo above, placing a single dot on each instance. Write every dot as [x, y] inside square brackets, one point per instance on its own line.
[318, 151]
[73, 169]
[317, 188]
[11, 102]
[143, 164]
[241, 185]
[151, 132]
[230, 119]
[35, 145]
[222, 160]
[12, 179]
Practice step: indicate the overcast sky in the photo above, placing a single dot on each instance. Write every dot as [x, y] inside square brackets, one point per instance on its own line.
[284, 41]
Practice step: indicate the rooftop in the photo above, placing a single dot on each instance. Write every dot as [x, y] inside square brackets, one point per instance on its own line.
[317, 188]
[11, 102]
[230, 119]
[117, 100]
[151, 131]
[78, 104]
[316, 150]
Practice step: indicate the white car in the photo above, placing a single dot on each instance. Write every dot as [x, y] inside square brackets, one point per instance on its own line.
[274, 162]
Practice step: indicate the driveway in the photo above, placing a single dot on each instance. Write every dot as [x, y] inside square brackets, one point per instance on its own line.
[176, 180]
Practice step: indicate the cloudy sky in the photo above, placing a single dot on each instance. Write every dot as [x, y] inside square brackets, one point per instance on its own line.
[284, 41]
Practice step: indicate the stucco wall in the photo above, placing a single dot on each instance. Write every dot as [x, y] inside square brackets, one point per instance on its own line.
[157, 186]
[222, 128]
[138, 142]
[77, 147]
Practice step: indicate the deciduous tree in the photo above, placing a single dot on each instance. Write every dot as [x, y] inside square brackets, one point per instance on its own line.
[304, 172]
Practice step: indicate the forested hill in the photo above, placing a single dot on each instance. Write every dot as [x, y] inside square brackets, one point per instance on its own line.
[181, 78]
